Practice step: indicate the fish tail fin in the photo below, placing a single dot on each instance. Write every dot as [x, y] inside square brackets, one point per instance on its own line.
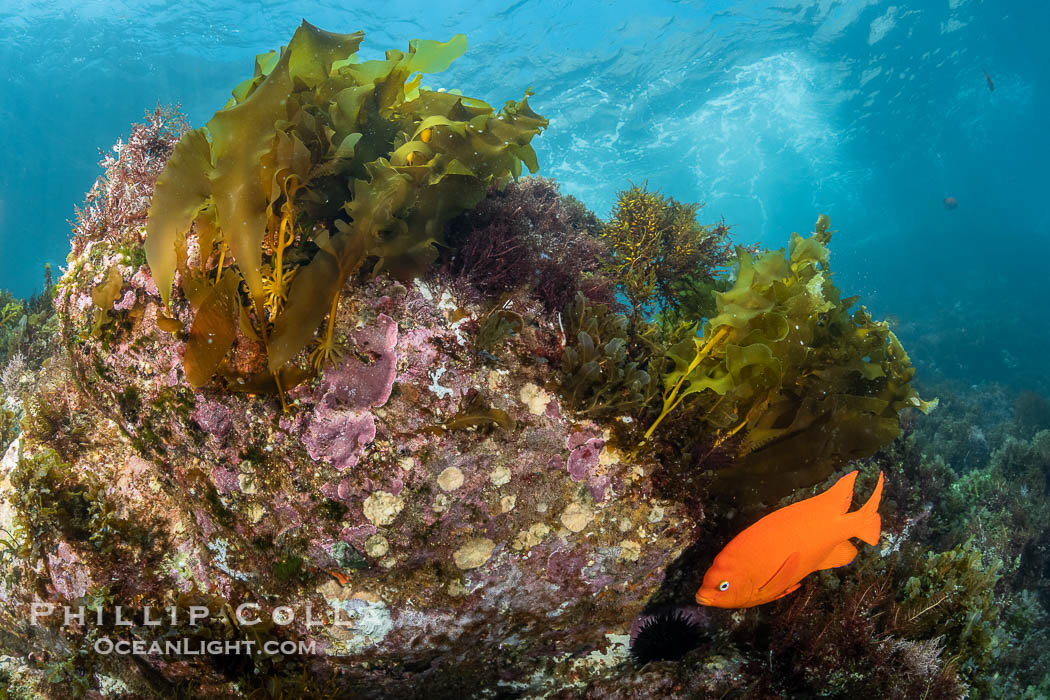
[869, 522]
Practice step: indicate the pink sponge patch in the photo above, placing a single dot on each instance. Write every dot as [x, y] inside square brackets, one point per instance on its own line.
[585, 465]
[339, 436]
[583, 461]
[363, 384]
[340, 426]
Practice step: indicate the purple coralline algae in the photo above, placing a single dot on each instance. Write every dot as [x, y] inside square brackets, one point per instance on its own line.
[213, 417]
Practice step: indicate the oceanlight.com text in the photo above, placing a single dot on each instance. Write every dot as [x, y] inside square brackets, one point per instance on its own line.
[200, 647]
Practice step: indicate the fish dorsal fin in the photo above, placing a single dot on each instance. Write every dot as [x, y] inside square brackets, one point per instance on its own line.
[783, 576]
[840, 496]
[841, 555]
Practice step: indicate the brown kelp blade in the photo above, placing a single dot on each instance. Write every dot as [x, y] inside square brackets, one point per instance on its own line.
[310, 297]
[181, 191]
[212, 333]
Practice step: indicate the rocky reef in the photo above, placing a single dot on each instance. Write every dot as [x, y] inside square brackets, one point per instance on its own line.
[429, 429]
[432, 504]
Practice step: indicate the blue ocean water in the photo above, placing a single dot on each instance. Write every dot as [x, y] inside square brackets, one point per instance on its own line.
[769, 112]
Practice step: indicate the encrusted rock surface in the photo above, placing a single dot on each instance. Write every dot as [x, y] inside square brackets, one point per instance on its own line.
[433, 553]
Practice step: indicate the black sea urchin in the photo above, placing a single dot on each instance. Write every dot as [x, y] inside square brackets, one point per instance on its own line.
[667, 635]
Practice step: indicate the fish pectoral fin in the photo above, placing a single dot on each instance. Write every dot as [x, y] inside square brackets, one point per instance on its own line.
[792, 589]
[842, 554]
[783, 576]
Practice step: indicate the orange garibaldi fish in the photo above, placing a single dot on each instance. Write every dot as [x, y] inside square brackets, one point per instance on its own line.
[767, 560]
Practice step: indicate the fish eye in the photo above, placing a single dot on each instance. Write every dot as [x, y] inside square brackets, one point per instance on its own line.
[724, 586]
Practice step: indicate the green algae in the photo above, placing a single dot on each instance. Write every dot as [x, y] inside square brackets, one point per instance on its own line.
[952, 597]
[786, 376]
[656, 241]
[52, 501]
[104, 295]
[475, 412]
[495, 328]
[603, 367]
